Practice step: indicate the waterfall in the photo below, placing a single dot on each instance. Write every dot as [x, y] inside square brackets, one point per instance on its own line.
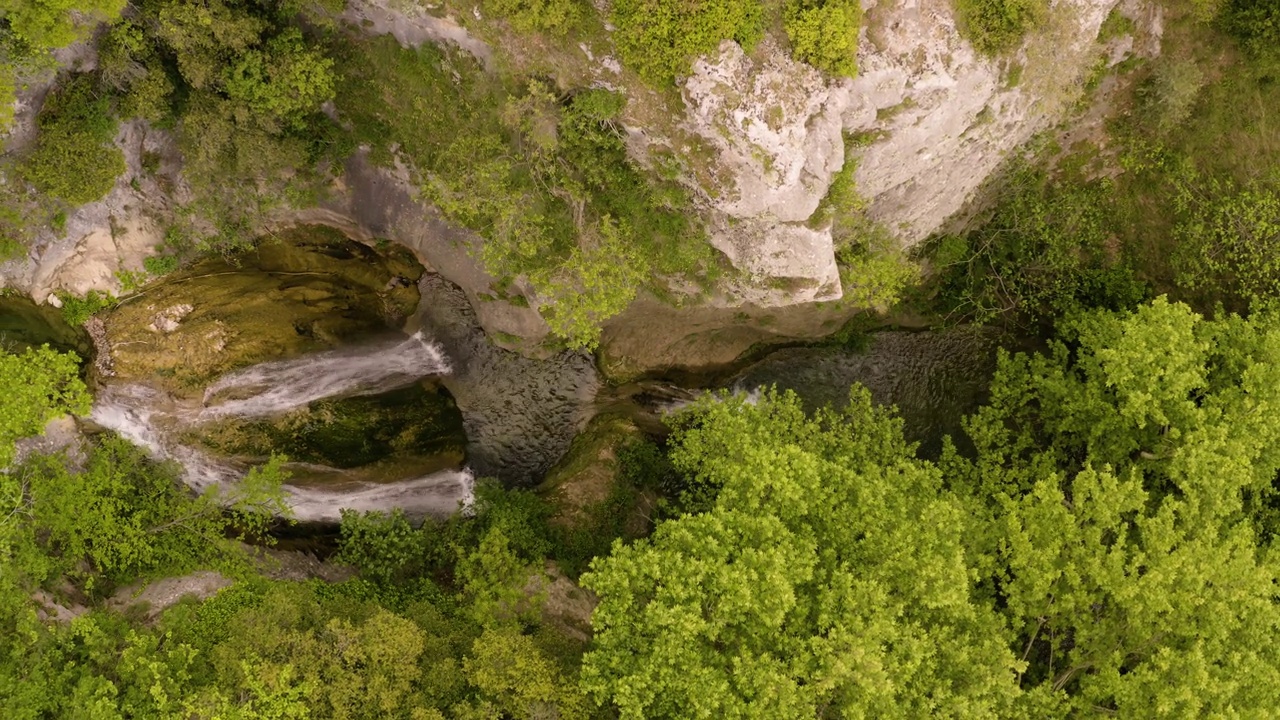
[277, 387]
[150, 419]
[438, 494]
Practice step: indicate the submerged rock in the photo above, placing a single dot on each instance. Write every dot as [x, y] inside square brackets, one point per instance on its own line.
[933, 378]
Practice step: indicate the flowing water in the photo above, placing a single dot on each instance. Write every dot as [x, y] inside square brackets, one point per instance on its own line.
[365, 429]
[277, 387]
[153, 419]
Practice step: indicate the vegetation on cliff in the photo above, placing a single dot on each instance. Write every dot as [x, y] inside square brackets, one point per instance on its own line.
[1100, 539]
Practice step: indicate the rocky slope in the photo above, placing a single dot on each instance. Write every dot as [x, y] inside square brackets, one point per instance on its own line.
[762, 137]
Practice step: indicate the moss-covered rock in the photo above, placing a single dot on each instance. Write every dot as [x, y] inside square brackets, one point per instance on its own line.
[414, 430]
[301, 290]
[590, 472]
[25, 324]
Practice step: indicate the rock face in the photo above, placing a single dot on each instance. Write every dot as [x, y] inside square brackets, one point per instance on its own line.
[777, 129]
[933, 118]
[945, 116]
[102, 239]
[520, 414]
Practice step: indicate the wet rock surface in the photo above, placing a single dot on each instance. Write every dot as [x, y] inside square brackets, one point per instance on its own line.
[412, 430]
[934, 378]
[520, 414]
[307, 289]
[25, 324]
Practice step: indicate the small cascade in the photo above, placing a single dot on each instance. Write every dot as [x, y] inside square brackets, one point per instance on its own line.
[276, 387]
[151, 419]
[438, 494]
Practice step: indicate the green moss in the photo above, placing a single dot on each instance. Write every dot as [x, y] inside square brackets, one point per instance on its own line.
[414, 422]
[298, 291]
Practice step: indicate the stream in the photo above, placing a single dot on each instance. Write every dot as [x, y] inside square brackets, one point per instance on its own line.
[375, 378]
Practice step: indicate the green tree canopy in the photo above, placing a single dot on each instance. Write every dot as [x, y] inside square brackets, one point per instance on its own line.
[75, 159]
[659, 39]
[29, 29]
[48, 24]
[824, 33]
[1129, 474]
[829, 577]
[36, 386]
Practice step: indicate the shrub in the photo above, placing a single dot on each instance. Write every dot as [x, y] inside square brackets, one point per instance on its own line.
[77, 311]
[994, 26]
[596, 283]
[1256, 24]
[824, 33]
[1172, 91]
[551, 16]
[157, 265]
[74, 159]
[873, 269]
[659, 38]
[1044, 252]
[1229, 240]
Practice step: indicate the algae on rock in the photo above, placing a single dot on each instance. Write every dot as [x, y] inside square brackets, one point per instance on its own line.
[417, 428]
[301, 290]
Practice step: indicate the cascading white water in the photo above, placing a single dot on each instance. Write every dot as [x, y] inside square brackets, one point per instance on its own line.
[277, 387]
[148, 418]
[438, 494]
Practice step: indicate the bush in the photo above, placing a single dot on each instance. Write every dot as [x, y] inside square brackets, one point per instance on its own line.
[74, 159]
[873, 269]
[1045, 251]
[1256, 24]
[1229, 240]
[824, 33]
[660, 38]
[77, 311]
[551, 16]
[1172, 91]
[994, 26]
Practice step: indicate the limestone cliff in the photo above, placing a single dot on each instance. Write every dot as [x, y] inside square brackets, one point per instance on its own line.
[760, 135]
[932, 119]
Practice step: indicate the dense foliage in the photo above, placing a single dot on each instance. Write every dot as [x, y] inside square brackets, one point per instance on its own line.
[1105, 549]
[1045, 250]
[659, 39]
[543, 177]
[1100, 541]
[829, 577]
[39, 384]
[74, 159]
[824, 33]
[1130, 480]
[244, 88]
[997, 26]
[31, 29]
